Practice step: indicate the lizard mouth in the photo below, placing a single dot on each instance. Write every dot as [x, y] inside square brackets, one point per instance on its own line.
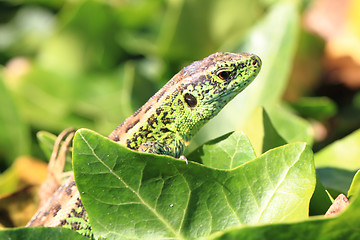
[229, 94]
[220, 97]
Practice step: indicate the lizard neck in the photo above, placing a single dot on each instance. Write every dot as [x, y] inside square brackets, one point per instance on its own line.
[188, 101]
[155, 121]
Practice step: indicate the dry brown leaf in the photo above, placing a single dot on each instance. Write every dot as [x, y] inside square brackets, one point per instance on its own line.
[19, 191]
[17, 208]
[338, 205]
[25, 171]
[31, 170]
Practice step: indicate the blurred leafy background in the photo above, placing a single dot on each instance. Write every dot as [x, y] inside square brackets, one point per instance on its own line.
[93, 63]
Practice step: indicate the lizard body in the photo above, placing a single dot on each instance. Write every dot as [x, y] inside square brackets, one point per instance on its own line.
[165, 124]
[190, 99]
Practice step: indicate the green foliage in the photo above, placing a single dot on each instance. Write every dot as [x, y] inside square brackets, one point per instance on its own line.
[320, 201]
[46, 142]
[354, 188]
[91, 64]
[317, 108]
[36, 233]
[343, 154]
[274, 38]
[290, 126]
[226, 152]
[337, 163]
[14, 137]
[153, 196]
[262, 133]
[343, 226]
[335, 180]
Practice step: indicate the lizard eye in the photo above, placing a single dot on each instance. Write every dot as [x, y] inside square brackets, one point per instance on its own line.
[224, 75]
[190, 100]
[255, 63]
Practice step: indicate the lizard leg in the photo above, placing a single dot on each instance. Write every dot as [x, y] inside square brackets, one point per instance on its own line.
[157, 148]
[56, 165]
[151, 147]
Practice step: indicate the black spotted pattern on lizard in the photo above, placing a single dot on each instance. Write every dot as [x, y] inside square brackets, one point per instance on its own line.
[164, 124]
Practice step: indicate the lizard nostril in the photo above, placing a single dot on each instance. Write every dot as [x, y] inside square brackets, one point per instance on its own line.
[255, 62]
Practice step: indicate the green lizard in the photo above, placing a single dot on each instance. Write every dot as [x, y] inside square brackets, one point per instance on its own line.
[163, 125]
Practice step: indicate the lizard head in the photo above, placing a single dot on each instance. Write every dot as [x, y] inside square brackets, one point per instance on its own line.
[209, 84]
[220, 77]
[227, 76]
[191, 98]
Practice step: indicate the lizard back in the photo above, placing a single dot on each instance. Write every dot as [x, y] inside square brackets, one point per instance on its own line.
[191, 98]
[164, 124]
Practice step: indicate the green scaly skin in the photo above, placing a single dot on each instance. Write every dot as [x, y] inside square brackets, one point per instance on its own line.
[165, 124]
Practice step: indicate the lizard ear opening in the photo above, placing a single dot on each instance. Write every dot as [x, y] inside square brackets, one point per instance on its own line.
[190, 100]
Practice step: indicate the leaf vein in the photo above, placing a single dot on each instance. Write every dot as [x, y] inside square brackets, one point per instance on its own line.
[166, 224]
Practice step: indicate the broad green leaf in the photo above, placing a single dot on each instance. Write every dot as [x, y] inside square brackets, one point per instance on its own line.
[226, 152]
[343, 154]
[136, 195]
[335, 180]
[274, 40]
[261, 132]
[345, 225]
[43, 233]
[355, 184]
[290, 126]
[320, 200]
[15, 135]
[46, 142]
[194, 29]
[9, 180]
[318, 108]
[48, 104]
[81, 44]
[96, 101]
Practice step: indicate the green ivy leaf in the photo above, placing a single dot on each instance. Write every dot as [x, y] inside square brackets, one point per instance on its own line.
[15, 134]
[319, 108]
[343, 154]
[345, 225]
[262, 133]
[43, 233]
[355, 184]
[46, 142]
[137, 195]
[335, 180]
[225, 152]
[274, 38]
[320, 200]
[290, 126]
